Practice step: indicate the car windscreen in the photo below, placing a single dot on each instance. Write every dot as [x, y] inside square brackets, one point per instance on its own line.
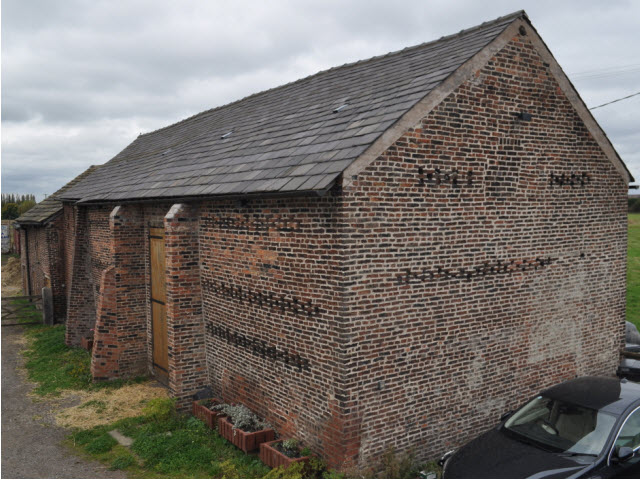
[561, 426]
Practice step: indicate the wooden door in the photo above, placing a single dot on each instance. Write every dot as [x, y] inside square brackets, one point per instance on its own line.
[158, 301]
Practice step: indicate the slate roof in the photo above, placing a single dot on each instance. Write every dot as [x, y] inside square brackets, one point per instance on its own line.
[287, 139]
[50, 206]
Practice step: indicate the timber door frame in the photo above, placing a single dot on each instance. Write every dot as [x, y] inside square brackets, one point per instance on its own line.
[161, 372]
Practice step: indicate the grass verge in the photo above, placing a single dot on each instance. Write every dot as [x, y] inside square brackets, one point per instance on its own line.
[56, 367]
[633, 270]
[167, 445]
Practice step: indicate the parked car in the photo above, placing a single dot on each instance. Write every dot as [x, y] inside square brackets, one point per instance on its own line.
[583, 428]
[630, 367]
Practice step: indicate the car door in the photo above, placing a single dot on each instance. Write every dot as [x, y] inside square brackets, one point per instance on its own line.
[628, 436]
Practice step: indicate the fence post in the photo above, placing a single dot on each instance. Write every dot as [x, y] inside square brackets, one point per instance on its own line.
[47, 306]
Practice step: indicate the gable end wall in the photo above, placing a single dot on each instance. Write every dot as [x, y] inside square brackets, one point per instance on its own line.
[438, 356]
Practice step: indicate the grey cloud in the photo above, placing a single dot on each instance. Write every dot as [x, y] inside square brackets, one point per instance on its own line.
[108, 71]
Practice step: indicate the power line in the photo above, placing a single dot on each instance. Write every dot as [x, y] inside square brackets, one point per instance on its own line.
[616, 100]
[607, 71]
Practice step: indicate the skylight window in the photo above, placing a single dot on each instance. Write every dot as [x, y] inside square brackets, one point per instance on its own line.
[225, 135]
[340, 108]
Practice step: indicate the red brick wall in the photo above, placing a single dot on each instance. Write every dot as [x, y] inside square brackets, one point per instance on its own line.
[81, 306]
[100, 245]
[438, 299]
[46, 260]
[34, 241]
[123, 313]
[23, 260]
[68, 225]
[437, 356]
[56, 252]
[186, 330]
[251, 257]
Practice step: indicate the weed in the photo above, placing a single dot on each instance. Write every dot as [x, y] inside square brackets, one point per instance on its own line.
[228, 469]
[159, 409]
[98, 405]
[295, 470]
[314, 468]
[101, 444]
[332, 474]
[196, 425]
[122, 461]
[395, 466]
[56, 367]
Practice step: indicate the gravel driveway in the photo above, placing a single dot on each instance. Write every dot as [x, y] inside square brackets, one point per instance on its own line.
[31, 443]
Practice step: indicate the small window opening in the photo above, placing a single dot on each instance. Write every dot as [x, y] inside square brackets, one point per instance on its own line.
[225, 135]
[340, 108]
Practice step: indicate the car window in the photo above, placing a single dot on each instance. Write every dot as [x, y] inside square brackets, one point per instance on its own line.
[561, 426]
[630, 433]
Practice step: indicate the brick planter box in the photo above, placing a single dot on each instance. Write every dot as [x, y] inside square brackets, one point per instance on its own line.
[274, 458]
[87, 343]
[208, 416]
[245, 441]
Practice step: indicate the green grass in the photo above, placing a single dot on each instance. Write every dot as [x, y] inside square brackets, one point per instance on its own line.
[176, 446]
[633, 270]
[166, 445]
[53, 365]
[28, 314]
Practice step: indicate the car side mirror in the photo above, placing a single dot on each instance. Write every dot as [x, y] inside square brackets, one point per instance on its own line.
[623, 454]
[504, 416]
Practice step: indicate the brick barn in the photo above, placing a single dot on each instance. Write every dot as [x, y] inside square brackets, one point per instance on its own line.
[390, 252]
[42, 248]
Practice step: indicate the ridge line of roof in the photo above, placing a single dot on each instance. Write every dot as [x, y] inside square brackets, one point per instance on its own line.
[514, 15]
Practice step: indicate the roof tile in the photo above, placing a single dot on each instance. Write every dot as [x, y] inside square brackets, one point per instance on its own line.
[290, 126]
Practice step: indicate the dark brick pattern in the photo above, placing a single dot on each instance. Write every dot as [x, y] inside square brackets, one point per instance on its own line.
[436, 362]
[301, 403]
[515, 282]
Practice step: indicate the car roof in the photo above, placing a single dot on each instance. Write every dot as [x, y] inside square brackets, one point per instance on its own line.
[607, 394]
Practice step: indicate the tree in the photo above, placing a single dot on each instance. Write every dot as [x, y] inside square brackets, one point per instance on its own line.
[10, 211]
[26, 205]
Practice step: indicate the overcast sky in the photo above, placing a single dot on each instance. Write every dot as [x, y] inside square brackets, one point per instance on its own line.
[81, 79]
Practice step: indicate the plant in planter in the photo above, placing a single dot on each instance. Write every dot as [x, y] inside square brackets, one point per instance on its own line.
[208, 410]
[282, 453]
[244, 428]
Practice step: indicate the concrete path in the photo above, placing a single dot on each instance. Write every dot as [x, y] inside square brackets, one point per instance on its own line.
[31, 443]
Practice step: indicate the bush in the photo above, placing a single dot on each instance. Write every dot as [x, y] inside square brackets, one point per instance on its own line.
[160, 409]
[634, 205]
